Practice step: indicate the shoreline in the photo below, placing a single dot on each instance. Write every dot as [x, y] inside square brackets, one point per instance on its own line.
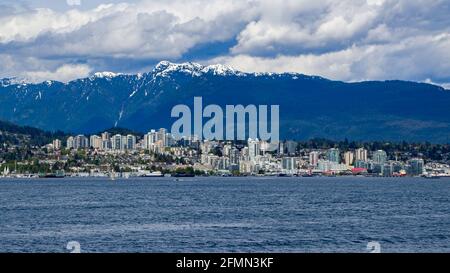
[36, 178]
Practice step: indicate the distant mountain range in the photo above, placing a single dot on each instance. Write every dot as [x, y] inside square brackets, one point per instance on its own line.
[310, 106]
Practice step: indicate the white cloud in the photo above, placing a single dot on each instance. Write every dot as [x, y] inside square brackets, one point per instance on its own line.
[418, 58]
[29, 25]
[149, 29]
[346, 40]
[64, 73]
[306, 26]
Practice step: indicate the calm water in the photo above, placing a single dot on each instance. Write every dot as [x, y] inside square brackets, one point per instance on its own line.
[225, 214]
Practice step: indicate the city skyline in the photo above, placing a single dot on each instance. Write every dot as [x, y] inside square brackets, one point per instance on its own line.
[256, 156]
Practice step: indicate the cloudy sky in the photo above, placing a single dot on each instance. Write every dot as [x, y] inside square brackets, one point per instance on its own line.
[348, 40]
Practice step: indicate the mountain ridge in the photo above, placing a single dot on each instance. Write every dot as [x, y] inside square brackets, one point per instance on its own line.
[310, 106]
[163, 68]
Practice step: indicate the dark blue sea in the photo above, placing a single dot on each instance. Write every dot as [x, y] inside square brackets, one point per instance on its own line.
[225, 214]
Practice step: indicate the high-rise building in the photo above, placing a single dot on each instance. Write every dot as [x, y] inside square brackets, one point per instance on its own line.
[226, 150]
[281, 148]
[161, 136]
[313, 158]
[56, 144]
[288, 163]
[106, 144]
[361, 164]
[333, 155]
[416, 166]
[70, 143]
[234, 156]
[124, 143]
[80, 142]
[253, 148]
[348, 158]
[380, 157]
[131, 142]
[96, 142]
[116, 142]
[206, 146]
[170, 140]
[245, 153]
[146, 142]
[106, 136]
[150, 139]
[264, 146]
[387, 169]
[361, 154]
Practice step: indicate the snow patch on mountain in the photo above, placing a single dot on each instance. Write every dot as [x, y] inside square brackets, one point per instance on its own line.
[105, 74]
[133, 93]
[165, 68]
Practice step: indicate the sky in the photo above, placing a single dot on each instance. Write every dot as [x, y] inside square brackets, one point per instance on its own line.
[349, 40]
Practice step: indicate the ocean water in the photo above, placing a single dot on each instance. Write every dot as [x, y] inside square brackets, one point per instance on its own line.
[225, 214]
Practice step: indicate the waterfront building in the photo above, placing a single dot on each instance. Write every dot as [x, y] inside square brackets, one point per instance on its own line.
[313, 158]
[361, 155]
[387, 169]
[397, 167]
[379, 157]
[348, 158]
[333, 155]
[361, 164]
[289, 163]
[245, 167]
[377, 168]
[327, 166]
[415, 166]
[223, 163]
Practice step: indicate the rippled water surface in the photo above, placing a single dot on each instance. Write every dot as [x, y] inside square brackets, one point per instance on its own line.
[225, 214]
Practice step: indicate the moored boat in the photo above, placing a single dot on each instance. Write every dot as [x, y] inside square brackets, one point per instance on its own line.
[153, 174]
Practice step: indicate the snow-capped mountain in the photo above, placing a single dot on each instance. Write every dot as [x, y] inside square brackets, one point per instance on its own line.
[164, 68]
[310, 106]
[106, 74]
